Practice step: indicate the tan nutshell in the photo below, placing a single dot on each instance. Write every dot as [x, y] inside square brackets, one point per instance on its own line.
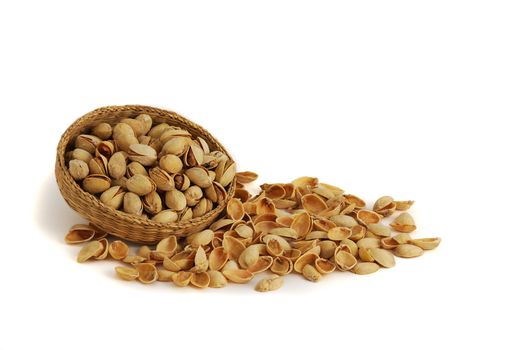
[90, 250]
[118, 250]
[426, 243]
[79, 233]
[126, 273]
[404, 223]
[408, 251]
[365, 268]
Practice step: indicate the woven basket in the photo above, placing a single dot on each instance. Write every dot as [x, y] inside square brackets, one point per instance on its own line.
[115, 222]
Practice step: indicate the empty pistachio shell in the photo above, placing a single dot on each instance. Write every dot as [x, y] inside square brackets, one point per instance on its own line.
[369, 243]
[327, 249]
[339, 233]
[78, 169]
[307, 258]
[344, 260]
[171, 163]
[140, 184]
[379, 230]
[408, 251]
[402, 238]
[147, 272]
[313, 203]
[343, 220]
[404, 223]
[282, 265]
[305, 181]
[132, 204]
[79, 233]
[218, 258]
[235, 209]
[182, 278]
[384, 206]
[200, 260]
[403, 205]
[249, 256]
[126, 273]
[200, 279]
[165, 216]
[162, 179]
[365, 268]
[284, 232]
[216, 279]
[246, 177]
[426, 243]
[233, 246]
[367, 217]
[383, 257]
[201, 238]
[105, 249]
[102, 131]
[262, 264]
[90, 250]
[310, 273]
[302, 224]
[238, 275]
[118, 250]
[134, 259]
[167, 245]
[324, 266]
[165, 275]
[96, 183]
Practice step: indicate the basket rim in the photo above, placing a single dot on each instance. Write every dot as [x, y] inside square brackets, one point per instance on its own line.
[65, 140]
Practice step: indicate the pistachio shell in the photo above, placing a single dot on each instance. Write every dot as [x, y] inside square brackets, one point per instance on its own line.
[177, 145]
[227, 175]
[132, 204]
[194, 155]
[90, 250]
[113, 197]
[358, 202]
[302, 224]
[324, 266]
[218, 258]
[134, 259]
[165, 275]
[339, 233]
[79, 233]
[305, 181]
[117, 165]
[96, 183]
[262, 264]
[201, 279]
[246, 177]
[235, 209]
[82, 155]
[379, 230]
[249, 256]
[358, 232]
[403, 205]
[135, 168]
[426, 243]
[285, 245]
[201, 263]
[157, 130]
[343, 220]
[238, 276]
[369, 243]
[327, 249]
[140, 184]
[182, 278]
[98, 165]
[384, 206]
[87, 143]
[105, 249]
[282, 265]
[118, 250]
[367, 217]
[284, 232]
[402, 238]
[124, 136]
[313, 203]
[408, 251]
[137, 126]
[274, 247]
[365, 268]
[152, 202]
[383, 257]
[310, 273]
[233, 246]
[307, 258]
[216, 279]
[344, 260]
[105, 148]
[193, 195]
[78, 169]
[147, 272]
[404, 223]
[389, 243]
[167, 245]
[199, 176]
[126, 273]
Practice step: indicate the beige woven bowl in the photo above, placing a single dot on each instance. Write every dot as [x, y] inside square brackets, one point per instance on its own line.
[115, 222]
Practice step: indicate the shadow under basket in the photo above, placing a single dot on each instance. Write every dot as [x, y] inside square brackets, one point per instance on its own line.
[118, 223]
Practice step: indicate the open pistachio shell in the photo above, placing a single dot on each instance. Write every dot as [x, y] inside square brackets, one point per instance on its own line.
[302, 224]
[384, 206]
[383, 257]
[147, 272]
[90, 250]
[200, 279]
[402, 238]
[238, 276]
[218, 258]
[358, 202]
[235, 209]
[310, 273]
[305, 181]
[403, 205]
[369, 243]
[284, 232]
[105, 249]
[265, 206]
[404, 223]
[126, 273]
[182, 278]
[327, 249]
[324, 266]
[282, 265]
[379, 230]
[161, 178]
[426, 243]
[246, 177]
[367, 217]
[307, 258]
[365, 268]
[388, 243]
[233, 246]
[343, 220]
[167, 246]
[344, 260]
[339, 233]
[216, 279]
[165, 275]
[79, 233]
[313, 203]
[407, 251]
[262, 264]
[274, 247]
[249, 256]
[358, 232]
[118, 250]
[365, 255]
[201, 263]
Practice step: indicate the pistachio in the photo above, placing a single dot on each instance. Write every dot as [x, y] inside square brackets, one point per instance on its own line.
[165, 216]
[132, 204]
[404, 223]
[81, 154]
[365, 268]
[271, 283]
[135, 168]
[199, 176]
[171, 163]
[192, 195]
[87, 143]
[408, 251]
[162, 179]
[102, 131]
[113, 197]
[175, 199]
[78, 169]
[105, 148]
[124, 136]
[79, 233]
[140, 184]
[96, 183]
[176, 145]
[310, 273]
[143, 154]
[152, 202]
[117, 165]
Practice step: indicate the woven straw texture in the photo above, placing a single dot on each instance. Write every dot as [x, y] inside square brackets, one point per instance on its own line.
[115, 222]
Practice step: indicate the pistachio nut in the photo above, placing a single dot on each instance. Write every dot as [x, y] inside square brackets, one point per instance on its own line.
[102, 131]
[117, 165]
[152, 202]
[161, 178]
[132, 204]
[78, 169]
[140, 184]
[199, 176]
[96, 183]
[87, 143]
[81, 154]
[192, 195]
[113, 197]
[171, 163]
[143, 154]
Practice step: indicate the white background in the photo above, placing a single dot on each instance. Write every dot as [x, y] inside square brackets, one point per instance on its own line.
[415, 99]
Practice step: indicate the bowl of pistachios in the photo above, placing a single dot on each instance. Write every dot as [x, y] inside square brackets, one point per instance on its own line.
[142, 173]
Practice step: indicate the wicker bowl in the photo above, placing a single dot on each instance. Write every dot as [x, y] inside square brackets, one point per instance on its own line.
[115, 222]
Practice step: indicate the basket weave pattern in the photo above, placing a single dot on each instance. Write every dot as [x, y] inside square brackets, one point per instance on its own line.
[115, 222]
